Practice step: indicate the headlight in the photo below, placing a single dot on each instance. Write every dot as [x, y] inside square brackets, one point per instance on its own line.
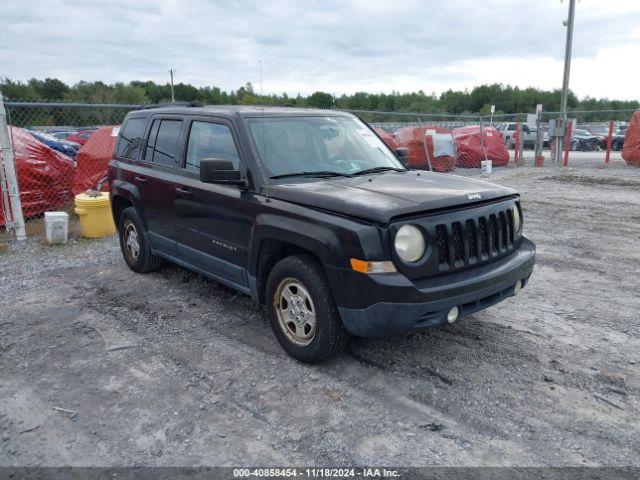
[517, 219]
[409, 243]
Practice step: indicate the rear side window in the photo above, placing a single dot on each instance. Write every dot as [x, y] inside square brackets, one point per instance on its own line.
[131, 138]
[162, 147]
[210, 140]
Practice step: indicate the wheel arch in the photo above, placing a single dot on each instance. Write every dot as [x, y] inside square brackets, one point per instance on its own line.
[271, 251]
[118, 205]
[125, 195]
[271, 243]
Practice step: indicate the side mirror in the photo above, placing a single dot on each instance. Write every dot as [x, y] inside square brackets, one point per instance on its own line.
[220, 170]
[403, 155]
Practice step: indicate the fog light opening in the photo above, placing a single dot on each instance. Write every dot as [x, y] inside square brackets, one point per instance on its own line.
[453, 315]
[518, 287]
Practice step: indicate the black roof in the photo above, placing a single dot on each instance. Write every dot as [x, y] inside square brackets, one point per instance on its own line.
[242, 110]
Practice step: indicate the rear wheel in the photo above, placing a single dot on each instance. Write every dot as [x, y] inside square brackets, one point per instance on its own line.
[133, 243]
[301, 310]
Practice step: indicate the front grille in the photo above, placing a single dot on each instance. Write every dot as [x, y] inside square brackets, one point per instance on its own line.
[458, 242]
[475, 240]
[484, 237]
[443, 249]
[472, 240]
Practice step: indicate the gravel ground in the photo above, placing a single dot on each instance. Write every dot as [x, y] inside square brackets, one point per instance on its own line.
[101, 366]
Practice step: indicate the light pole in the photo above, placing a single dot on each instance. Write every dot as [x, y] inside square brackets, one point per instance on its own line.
[171, 72]
[567, 67]
[567, 57]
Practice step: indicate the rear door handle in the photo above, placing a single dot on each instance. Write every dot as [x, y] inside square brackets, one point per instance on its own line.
[141, 179]
[183, 192]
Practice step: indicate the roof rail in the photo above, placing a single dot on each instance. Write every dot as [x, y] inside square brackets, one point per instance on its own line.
[173, 104]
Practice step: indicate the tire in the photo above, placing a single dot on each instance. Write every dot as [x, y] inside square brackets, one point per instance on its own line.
[311, 331]
[133, 243]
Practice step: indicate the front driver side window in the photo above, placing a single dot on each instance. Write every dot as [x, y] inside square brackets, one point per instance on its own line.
[210, 140]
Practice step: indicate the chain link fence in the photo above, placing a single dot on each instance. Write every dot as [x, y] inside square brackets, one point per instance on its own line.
[588, 139]
[62, 149]
[58, 150]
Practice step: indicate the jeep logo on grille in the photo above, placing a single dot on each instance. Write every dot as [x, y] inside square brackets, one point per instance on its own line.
[474, 196]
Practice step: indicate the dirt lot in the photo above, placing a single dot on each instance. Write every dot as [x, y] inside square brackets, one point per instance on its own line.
[101, 366]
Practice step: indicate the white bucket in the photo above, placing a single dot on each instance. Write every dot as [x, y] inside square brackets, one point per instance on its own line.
[56, 227]
[486, 166]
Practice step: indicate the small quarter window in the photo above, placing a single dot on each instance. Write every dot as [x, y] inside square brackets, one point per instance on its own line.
[131, 138]
[210, 140]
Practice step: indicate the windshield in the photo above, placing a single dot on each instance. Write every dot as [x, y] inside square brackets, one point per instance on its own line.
[61, 135]
[339, 145]
[599, 130]
[46, 136]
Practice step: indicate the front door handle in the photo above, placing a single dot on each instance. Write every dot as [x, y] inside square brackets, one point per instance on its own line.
[141, 179]
[183, 192]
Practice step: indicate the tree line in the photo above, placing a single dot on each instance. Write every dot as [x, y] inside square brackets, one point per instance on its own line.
[477, 101]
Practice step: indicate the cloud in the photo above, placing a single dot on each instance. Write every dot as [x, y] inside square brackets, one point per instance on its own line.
[336, 46]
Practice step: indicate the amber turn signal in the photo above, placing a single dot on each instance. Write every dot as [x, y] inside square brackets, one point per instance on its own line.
[363, 266]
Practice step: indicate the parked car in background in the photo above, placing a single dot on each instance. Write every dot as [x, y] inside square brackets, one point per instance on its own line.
[621, 130]
[601, 131]
[508, 131]
[617, 140]
[545, 136]
[61, 134]
[70, 149]
[81, 136]
[44, 174]
[582, 140]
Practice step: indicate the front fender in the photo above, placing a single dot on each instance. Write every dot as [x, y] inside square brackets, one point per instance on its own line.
[318, 239]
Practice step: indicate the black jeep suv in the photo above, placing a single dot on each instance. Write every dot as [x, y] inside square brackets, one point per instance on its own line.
[312, 215]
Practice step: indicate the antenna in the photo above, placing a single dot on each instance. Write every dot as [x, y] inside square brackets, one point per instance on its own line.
[171, 72]
[260, 66]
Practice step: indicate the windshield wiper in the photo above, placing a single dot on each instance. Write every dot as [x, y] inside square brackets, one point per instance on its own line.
[379, 169]
[319, 173]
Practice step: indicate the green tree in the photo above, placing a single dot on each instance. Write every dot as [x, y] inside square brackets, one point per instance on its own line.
[320, 100]
[505, 97]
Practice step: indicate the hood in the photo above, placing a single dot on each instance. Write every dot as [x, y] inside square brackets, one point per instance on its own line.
[379, 198]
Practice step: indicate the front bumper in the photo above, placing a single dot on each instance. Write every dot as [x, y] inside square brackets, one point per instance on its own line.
[381, 305]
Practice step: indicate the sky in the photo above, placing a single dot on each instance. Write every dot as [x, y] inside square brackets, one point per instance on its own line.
[337, 46]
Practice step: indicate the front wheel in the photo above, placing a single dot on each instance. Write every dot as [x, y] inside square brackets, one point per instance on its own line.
[301, 310]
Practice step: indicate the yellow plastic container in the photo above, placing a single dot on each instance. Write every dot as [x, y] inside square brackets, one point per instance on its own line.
[96, 220]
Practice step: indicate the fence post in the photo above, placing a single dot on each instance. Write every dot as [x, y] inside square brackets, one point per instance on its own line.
[516, 143]
[609, 139]
[424, 144]
[539, 136]
[484, 152]
[521, 143]
[4, 201]
[10, 174]
[567, 144]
